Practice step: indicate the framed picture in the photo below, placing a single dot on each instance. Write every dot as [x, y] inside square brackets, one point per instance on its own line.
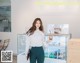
[5, 15]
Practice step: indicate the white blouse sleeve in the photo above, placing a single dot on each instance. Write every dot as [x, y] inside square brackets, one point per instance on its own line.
[45, 44]
[27, 45]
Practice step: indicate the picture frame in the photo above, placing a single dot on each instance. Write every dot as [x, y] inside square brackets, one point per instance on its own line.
[5, 16]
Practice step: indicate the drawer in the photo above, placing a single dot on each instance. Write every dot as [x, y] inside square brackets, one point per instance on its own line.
[75, 45]
[73, 50]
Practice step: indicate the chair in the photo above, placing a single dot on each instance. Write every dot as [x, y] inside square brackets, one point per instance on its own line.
[1, 44]
[5, 44]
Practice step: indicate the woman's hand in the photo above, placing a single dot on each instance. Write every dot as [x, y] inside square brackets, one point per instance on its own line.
[50, 38]
[48, 41]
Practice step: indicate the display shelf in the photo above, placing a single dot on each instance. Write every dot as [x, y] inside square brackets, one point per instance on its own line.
[57, 34]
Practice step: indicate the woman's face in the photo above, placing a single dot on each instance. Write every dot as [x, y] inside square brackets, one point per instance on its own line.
[38, 24]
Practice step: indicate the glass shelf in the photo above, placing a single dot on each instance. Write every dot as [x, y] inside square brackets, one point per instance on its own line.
[57, 34]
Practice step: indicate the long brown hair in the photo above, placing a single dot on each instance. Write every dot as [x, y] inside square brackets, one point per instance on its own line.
[33, 28]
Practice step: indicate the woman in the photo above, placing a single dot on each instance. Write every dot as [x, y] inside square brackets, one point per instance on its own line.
[36, 39]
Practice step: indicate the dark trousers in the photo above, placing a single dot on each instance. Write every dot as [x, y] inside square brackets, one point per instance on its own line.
[37, 54]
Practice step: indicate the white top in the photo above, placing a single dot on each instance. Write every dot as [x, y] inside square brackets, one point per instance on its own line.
[37, 39]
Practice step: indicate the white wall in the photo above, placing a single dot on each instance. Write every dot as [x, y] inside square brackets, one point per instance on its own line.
[25, 11]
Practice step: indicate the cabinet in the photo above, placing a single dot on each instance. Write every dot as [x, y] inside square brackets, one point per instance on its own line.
[57, 50]
[73, 51]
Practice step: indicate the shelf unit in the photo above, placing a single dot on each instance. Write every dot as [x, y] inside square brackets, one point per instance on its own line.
[57, 34]
[67, 36]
